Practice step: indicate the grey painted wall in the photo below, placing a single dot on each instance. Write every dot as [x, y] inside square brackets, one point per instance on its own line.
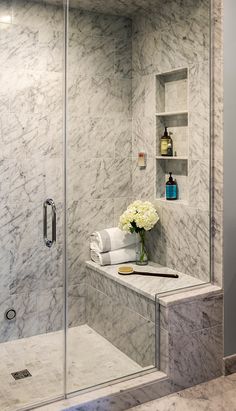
[229, 175]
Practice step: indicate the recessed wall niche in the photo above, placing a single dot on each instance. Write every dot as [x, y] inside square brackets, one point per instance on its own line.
[172, 112]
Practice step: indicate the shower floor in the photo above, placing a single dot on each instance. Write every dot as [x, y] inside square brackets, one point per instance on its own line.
[91, 360]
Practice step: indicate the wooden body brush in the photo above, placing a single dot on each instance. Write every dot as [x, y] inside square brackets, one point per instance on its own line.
[127, 270]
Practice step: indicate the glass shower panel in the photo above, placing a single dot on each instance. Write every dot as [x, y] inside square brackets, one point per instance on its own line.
[111, 330]
[31, 120]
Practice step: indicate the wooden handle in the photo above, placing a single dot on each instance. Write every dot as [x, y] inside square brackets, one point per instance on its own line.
[156, 274]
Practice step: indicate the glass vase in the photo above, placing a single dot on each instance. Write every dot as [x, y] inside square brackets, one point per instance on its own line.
[141, 251]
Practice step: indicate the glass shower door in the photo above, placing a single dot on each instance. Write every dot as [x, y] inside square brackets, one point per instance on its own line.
[110, 336]
[31, 167]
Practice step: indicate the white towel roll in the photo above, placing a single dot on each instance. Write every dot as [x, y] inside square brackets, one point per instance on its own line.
[111, 239]
[123, 255]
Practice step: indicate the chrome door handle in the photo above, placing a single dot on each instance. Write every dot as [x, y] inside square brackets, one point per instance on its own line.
[49, 202]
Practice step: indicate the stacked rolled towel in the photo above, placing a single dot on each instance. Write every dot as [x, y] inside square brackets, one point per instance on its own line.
[112, 246]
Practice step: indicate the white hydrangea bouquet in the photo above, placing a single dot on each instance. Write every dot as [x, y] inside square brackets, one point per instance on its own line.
[140, 216]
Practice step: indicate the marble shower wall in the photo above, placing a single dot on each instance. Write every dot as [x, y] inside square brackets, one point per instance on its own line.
[175, 36]
[31, 133]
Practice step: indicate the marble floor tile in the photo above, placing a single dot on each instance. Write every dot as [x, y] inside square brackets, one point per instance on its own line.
[91, 360]
[216, 395]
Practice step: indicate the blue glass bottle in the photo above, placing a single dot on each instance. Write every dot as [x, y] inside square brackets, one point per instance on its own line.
[171, 189]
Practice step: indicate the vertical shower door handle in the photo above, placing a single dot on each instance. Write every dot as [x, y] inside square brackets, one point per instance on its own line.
[49, 202]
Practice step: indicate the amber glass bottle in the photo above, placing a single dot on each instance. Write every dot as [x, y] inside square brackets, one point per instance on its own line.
[164, 143]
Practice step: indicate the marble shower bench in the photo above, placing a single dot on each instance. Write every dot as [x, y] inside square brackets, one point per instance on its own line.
[174, 325]
[148, 287]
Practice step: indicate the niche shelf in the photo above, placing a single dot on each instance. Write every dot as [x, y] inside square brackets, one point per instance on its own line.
[180, 114]
[172, 112]
[171, 158]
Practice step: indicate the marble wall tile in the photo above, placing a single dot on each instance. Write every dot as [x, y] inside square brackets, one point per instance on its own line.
[76, 305]
[196, 315]
[32, 14]
[20, 138]
[143, 179]
[199, 183]
[83, 218]
[178, 50]
[123, 56]
[105, 96]
[24, 51]
[120, 205]
[30, 180]
[25, 322]
[128, 298]
[98, 178]
[27, 264]
[199, 106]
[99, 24]
[171, 14]
[174, 36]
[146, 52]
[50, 49]
[4, 104]
[156, 251]
[33, 92]
[98, 137]
[164, 353]
[188, 249]
[194, 333]
[91, 56]
[138, 94]
[50, 310]
[24, 181]
[135, 336]
[197, 357]
[143, 131]
[31, 47]
[36, 313]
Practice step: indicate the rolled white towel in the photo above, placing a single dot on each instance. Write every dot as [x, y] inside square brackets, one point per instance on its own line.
[110, 239]
[123, 255]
